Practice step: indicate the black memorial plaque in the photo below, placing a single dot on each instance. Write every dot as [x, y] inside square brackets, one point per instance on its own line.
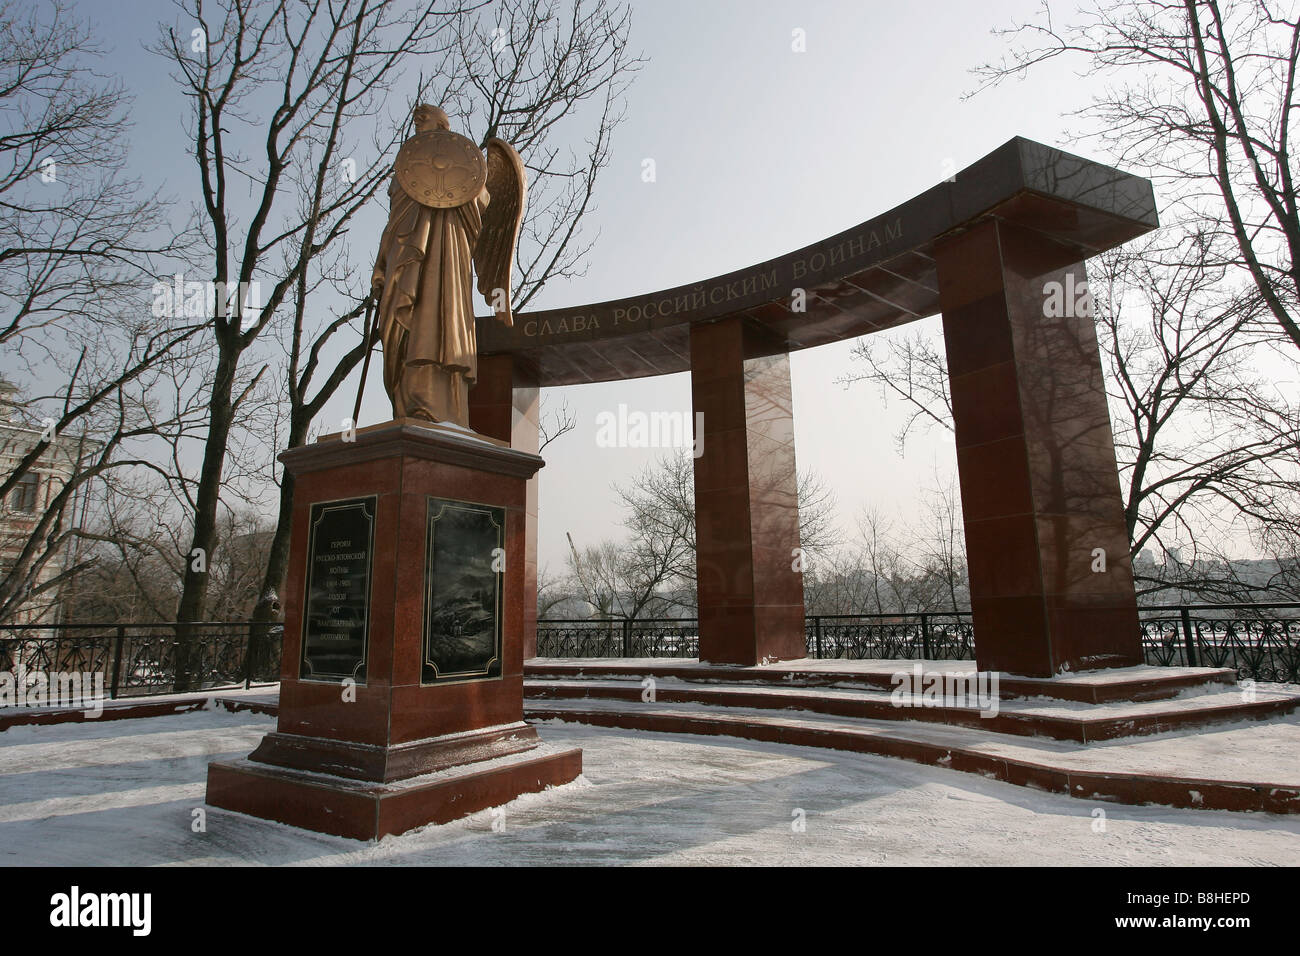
[336, 613]
[463, 573]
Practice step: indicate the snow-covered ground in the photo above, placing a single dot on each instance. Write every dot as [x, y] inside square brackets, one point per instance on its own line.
[125, 792]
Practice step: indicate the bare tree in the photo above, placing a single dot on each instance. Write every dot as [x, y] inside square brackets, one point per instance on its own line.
[1279, 542]
[74, 231]
[545, 75]
[1205, 104]
[875, 573]
[133, 565]
[656, 565]
[891, 568]
[600, 576]
[908, 365]
[942, 549]
[273, 87]
[133, 568]
[888, 569]
[836, 584]
[554, 423]
[79, 473]
[552, 590]
[1204, 439]
[818, 533]
[78, 243]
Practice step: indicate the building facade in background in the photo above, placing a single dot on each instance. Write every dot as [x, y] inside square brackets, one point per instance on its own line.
[23, 506]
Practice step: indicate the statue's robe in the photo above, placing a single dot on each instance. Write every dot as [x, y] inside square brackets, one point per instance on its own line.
[426, 308]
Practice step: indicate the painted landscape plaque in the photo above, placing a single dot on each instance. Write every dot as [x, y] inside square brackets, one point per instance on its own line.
[463, 570]
[336, 612]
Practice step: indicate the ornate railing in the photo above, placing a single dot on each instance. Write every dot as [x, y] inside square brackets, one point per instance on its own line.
[618, 637]
[936, 636]
[138, 659]
[1261, 641]
[930, 636]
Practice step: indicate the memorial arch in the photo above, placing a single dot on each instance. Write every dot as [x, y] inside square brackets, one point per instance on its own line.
[999, 252]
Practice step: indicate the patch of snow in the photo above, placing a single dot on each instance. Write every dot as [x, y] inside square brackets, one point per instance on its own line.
[122, 793]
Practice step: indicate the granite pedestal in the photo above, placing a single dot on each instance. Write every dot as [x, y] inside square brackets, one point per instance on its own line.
[401, 697]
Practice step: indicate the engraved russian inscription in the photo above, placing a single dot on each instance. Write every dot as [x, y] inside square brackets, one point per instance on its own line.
[336, 612]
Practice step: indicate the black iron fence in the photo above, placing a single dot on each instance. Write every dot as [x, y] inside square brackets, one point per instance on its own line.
[1261, 641]
[618, 637]
[944, 636]
[138, 659]
[936, 636]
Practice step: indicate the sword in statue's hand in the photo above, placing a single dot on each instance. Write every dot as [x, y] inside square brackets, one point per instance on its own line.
[368, 334]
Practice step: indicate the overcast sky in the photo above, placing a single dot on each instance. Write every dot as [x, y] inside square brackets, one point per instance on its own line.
[758, 150]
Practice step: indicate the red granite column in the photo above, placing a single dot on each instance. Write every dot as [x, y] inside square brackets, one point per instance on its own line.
[746, 500]
[1036, 458]
[503, 404]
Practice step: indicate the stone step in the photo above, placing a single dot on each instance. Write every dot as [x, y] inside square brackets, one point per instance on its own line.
[120, 709]
[1093, 687]
[1078, 722]
[1243, 768]
[262, 700]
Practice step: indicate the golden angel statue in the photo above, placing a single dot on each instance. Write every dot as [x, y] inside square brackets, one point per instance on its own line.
[449, 209]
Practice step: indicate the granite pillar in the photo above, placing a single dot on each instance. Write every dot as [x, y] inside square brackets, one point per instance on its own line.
[504, 404]
[746, 498]
[1051, 580]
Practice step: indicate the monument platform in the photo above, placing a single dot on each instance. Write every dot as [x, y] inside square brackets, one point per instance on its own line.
[1111, 735]
[1194, 749]
[1094, 687]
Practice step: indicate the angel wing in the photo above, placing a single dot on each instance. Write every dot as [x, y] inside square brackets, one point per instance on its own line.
[494, 252]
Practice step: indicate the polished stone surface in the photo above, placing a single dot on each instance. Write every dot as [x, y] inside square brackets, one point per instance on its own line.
[361, 760]
[403, 465]
[746, 500]
[875, 275]
[504, 405]
[1040, 490]
[364, 810]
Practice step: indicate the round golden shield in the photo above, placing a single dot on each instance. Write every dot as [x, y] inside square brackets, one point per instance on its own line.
[440, 168]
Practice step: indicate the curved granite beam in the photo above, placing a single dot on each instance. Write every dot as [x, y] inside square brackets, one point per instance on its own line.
[873, 276]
